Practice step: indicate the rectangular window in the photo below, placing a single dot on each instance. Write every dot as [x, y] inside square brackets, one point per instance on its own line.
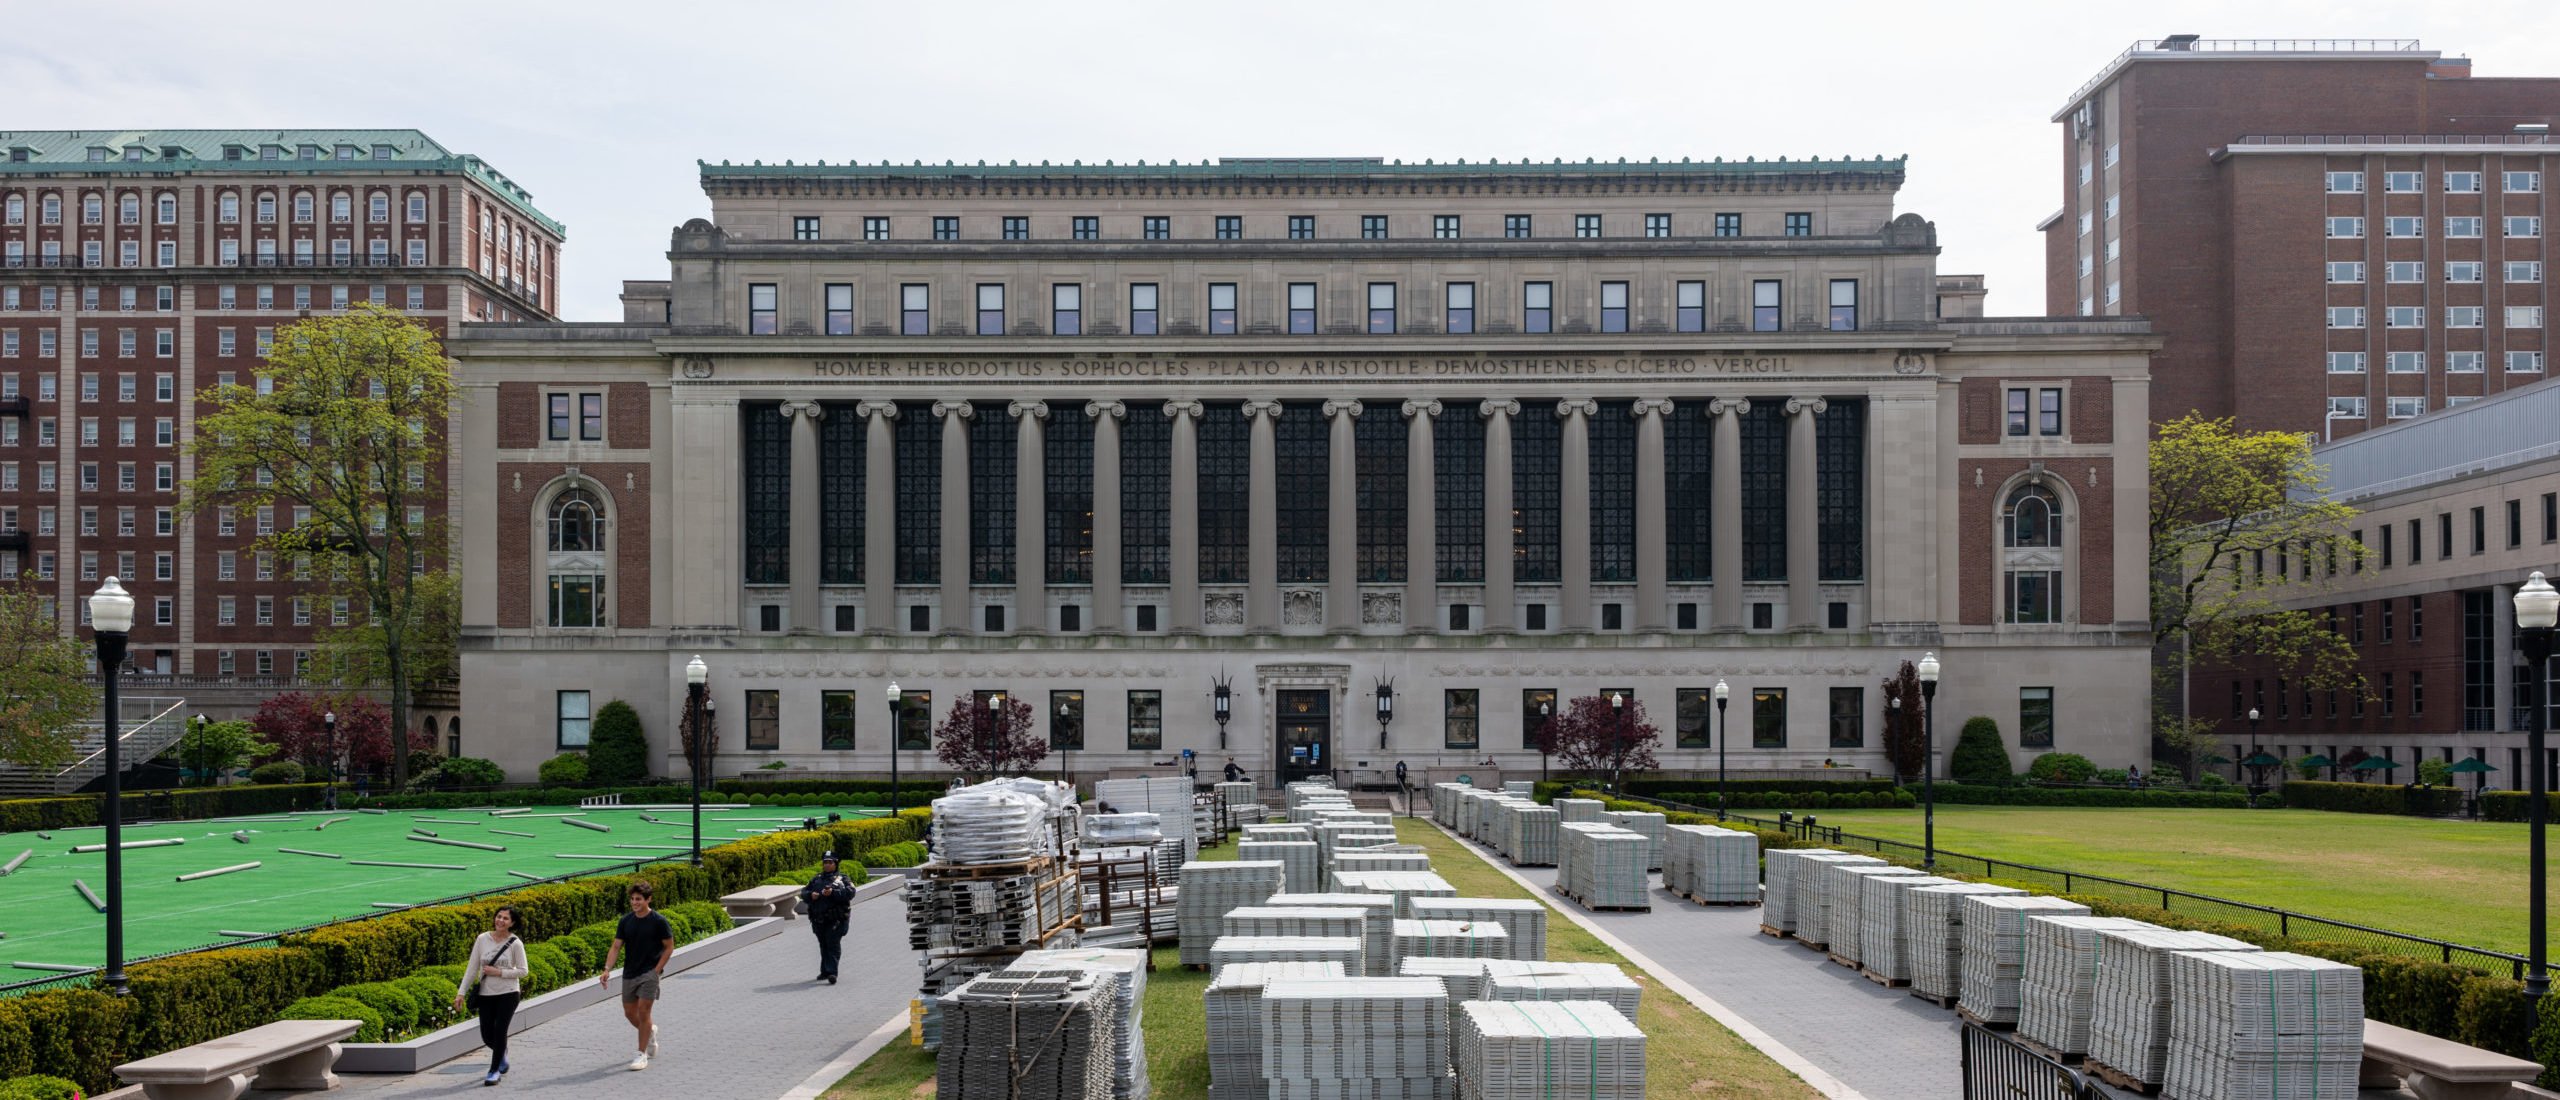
[571, 715]
[1728, 225]
[1586, 225]
[1537, 307]
[1146, 721]
[1690, 307]
[2454, 316]
[1222, 309]
[1016, 228]
[2462, 183]
[1768, 718]
[1302, 308]
[1613, 307]
[2404, 271]
[2522, 183]
[1848, 718]
[2035, 717]
[1382, 307]
[2346, 362]
[2463, 226]
[591, 417]
[1155, 227]
[2346, 316]
[2462, 271]
[762, 309]
[2515, 524]
[2346, 271]
[1461, 311]
[839, 309]
[1373, 227]
[1844, 305]
[1302, 227]
[2402, 408]
[2524, 362]
[804, 228]
[1444, 227]
[1800, 224]
[875, 228]
[2444, 536]
[764, 721]
[990, 309]
[2466, 362]
[1515, 226]
[2524, 316]
[2404, 362]
[1459, 718]
[1142, 309]
[2346, 183]
[1229, 227]
[1764, 305]
[2049, 412]
[2018, 424]
[1084, 227]
[946, 228]
[2346, 228]
[1066, 309]
[1657, 225]
[836, 711]
[559, 417]
[2524, 271]
[915, 309]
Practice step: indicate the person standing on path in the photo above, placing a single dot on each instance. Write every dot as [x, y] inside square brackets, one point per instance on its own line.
[830, 898]
[644, 941]
[494, 967]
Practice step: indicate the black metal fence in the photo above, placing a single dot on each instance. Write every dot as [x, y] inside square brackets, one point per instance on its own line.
[1996, 1068]
[2265, 918]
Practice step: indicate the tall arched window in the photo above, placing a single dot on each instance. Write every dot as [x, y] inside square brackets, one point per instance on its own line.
[2031, 555]
[576, 561]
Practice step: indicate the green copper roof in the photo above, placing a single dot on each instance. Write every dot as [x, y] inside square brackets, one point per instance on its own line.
[1341, 167]
[278, 152]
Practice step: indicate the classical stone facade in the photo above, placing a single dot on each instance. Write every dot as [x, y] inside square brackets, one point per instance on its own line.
[1476, 437]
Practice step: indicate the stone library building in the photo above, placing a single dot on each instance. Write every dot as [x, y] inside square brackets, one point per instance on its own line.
[1393, 458]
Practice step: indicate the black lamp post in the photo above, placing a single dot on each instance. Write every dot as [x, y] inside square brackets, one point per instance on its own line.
[329, 751]
[1724, 696]
[988, 727]
[897, 735]
[111, 619]
[2257, 771]
[1546, 736]
[696, 674]
[1928, 761]
[1068, 721]
[2537, 612]
[1617, 736]
[1221, 706]
[1386, 710]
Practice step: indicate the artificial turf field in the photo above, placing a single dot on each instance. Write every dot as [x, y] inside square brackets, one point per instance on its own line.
[45, 920]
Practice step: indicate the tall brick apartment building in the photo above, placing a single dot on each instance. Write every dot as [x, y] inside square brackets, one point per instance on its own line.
[138, 268]
[2329, 235]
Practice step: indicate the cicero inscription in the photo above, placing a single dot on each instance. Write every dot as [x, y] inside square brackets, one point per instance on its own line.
[1415, 367]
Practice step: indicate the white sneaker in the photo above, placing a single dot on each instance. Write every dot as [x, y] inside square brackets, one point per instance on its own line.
[640, 1061]
[653, 1040]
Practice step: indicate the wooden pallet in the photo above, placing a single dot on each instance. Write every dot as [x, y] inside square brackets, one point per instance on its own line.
[1723, 904]
[1823, 946]
[1879, 979]
[976, 871]
[2118, 1078]
[1948, 1001]
[1615, 908]
[1838, 959]
[2049, 1052]
[1772, 930]
[1966, 1015]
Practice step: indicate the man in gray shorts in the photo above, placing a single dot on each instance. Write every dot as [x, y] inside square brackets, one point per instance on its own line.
[645, 941]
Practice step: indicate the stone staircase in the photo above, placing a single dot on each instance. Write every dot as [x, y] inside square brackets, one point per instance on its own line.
[151, 726]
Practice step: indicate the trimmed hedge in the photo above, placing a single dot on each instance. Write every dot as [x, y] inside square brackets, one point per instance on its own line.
[18, 815]
[1887, 799]
[2516, 805]
[1975, 794]
[69, 1033]
[39, 1087]
[568, 769]
[398, 1007]
[1980, 756]
[2372, 798]
[338, 1008]
[919, 791]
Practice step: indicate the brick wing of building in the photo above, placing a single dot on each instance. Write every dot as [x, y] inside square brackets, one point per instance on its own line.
[1484, 437]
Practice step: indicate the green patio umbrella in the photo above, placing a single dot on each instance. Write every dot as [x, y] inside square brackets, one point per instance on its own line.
[2315, 760]
[2373, 764]
[2470, 764]
[2211, 759]
[2262, 760]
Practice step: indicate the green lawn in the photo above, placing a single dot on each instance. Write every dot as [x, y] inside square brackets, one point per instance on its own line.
[2462, 881]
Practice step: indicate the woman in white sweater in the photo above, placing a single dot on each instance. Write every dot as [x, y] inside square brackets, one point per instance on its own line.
[496, 962]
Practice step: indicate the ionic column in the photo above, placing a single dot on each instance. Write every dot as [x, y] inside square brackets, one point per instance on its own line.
[1573, 525]
[1262, 552]
[1421, 520]
[804, 417]
[1184, 543]
[879, 518]
[1030, 517]
[1724, 536]
[1106, 513]
[955, 417]
[1342, 512]
[1498, 597]
[1804, 518]
[1652, 598]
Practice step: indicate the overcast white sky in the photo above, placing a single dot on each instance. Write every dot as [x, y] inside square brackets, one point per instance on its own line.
[601, 109]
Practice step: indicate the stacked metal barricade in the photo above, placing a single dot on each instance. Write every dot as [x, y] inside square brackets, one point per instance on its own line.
[1209, 890]
[2057, 989]
[1037, 1035]
[1933, 928]
[1884, 946]
[1995, 949]
[1127, 971]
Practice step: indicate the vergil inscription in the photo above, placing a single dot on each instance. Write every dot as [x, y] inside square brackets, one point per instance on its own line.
[1311, 368]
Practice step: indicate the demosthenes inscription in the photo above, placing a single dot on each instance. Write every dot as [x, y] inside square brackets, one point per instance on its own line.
[1435, 367]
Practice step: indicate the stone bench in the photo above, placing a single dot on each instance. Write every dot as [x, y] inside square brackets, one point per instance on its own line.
[764, 901]
[2438, 1069]
[286, 1056]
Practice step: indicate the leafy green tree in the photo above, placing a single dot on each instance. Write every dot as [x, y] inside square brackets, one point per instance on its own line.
[617, 750]
[347, 445]
[1980, 756]
[213, 749]
[357, 653]
[2224, 501]
[44, 682]
[2435, 773]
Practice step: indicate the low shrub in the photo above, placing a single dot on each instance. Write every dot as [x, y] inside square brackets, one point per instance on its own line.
[1974, 794]
[39, 1087]
[201, 995]
[2494, 1014]
[617, 749]
[1980, 756]
[435, 1000]
[2412, 993]
[599, 940]
[472, 771]
[550, 969]
[2061, 767]
[568, 769]
[337, 1008]
[902, 854]
[583, 959]
[448, 973]
[704, 919]
[281, 771]
[2545, 1041]
[76, 1034]
[2371, 798]
[2212, 782]
[397, 1007]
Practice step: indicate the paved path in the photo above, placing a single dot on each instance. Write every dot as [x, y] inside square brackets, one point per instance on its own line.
[747, 1025]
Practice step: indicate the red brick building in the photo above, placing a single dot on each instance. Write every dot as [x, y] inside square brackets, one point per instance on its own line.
[2328, 234]
[138, 268]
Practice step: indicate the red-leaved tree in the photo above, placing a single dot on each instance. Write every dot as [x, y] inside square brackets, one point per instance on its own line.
[1591, 736]
[1904, 745]
[294, 723]
[979, 741]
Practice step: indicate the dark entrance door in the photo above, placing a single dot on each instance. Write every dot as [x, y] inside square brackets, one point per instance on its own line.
[1306, 734]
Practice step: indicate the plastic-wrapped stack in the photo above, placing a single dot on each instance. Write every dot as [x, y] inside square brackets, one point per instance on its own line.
[2262, 1024]
[1243, 805]
[1000, 821]
[1605, 869]
[1229, 950]
[1578, 809]
[1882, 948]
[1933, 929]
[1355, 1038]
[1543, 1050]
[1234, 1003]
[1400, 885]
[1168, 796]
[1278, 833]
[1844, 915]
[1209, 890]
[1995, 949]
[1378, 915]
[1344, 834]
[1522, 787]
[1297, 858]
[1813, 895]
[1525, 919]
[1489, 825]
[1471, 979]
[1644, 824]
[1607, 985]
[1445, 939]
[1351, 860]
[1533, 836]
[1106, 830]
[1782, 904]
[1041, 1035]
[2057, 990]
[1128, 971]
[2129, 1012]
[1295, 920]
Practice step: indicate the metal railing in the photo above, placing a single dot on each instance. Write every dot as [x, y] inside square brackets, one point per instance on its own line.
[2395, 139]
[1997, 1068]
[2265, 918]
[2241, 45]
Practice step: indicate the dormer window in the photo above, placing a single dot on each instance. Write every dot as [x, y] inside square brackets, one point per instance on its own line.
[382, 152]
[97, 154]
[271, 152]
[133, 153]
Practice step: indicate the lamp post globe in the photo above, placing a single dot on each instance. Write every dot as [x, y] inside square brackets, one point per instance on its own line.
[696, 674]
[1724, 697]
[2537, 613]
[111, 620]
[894, 734]
[1928, 761]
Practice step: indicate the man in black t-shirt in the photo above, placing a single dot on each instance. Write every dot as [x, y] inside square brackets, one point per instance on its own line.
[649, 942]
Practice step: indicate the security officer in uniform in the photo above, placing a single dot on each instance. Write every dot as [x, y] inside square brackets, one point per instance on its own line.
[830, 898]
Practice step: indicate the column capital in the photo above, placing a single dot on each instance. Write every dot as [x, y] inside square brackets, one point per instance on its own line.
[885, 410]
[1182, 407]
[1738, 406]
[1036, 410]
[1498, 406]
[1113, 409]
[1261, 406]
[961, 409]
[1414, 406]
[1342, 406]
[810, 409]
[1814, 405]
[1568, 408]
[1650, 406]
